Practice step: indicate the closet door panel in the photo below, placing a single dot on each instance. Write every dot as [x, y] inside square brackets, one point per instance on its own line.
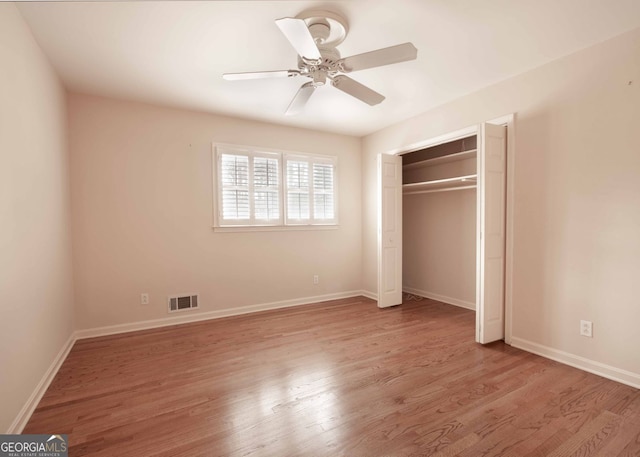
[491, 234]
[389, 230]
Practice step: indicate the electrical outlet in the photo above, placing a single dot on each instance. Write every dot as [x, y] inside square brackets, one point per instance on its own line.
[144, 299]
[316, 279]
[586, 328]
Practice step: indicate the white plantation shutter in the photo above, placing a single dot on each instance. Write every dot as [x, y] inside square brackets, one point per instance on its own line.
[323, 191]
[266, 188]
[249, 187]
[298, 192]
[310, 190]
[235, 187]
[263, 188]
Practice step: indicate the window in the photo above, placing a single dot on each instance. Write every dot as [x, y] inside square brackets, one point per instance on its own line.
[266, 188]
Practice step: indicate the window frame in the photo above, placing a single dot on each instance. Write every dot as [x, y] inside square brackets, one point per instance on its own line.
[283, 222]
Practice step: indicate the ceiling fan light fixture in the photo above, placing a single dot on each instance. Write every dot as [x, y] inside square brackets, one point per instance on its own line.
[319, 78]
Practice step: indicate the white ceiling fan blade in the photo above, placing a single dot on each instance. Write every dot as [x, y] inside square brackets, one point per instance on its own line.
[260, 75]
[300, 100]
[380, 57]
[357, 90]
[298, 34]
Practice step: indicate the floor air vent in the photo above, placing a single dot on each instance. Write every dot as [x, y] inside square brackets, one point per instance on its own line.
[182, 302]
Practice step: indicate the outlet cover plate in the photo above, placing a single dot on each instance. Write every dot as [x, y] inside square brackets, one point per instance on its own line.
[586, 328]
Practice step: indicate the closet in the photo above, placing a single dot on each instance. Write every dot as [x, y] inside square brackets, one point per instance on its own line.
[439, 222]
[442, 225]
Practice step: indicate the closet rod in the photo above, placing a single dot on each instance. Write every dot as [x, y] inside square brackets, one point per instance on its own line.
[444, 189]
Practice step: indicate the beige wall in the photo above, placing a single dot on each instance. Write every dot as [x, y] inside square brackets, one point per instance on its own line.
[577, 193]
[439, 245]
[142, 216]
[36, 298]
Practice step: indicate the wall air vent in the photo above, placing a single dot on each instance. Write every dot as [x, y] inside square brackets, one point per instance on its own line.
[183, 302]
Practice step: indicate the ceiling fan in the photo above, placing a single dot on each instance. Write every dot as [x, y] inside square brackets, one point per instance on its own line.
[314, 35]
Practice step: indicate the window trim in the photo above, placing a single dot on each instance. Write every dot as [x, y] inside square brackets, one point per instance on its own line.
[282, 223]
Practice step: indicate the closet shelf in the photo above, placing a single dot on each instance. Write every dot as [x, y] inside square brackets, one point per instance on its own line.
[470, 154]
[440, 185]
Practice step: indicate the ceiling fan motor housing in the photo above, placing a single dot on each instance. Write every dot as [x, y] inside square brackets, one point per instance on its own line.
[328, 66]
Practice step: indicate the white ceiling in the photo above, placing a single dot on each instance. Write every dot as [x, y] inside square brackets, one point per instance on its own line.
[174, 53]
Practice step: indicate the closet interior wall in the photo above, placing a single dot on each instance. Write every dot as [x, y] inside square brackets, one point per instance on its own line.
[439, 222]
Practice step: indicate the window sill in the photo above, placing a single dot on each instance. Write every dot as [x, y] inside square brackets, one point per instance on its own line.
[275, 228]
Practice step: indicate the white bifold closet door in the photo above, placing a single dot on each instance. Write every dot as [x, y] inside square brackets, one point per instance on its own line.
[490, 245]
[389, 230]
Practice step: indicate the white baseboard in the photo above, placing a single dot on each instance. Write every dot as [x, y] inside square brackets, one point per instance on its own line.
[29, 407]
[442, 298]
[203, 316]
[369, 294]
[597, 368]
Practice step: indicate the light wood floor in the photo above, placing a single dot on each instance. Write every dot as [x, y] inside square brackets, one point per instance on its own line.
[340, 378]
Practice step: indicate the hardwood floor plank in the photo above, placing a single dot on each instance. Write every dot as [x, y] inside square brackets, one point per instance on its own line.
[584, 441]
[458, 446]
[633, 448]
[340, 378]
[623, 436]
[549, 445]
